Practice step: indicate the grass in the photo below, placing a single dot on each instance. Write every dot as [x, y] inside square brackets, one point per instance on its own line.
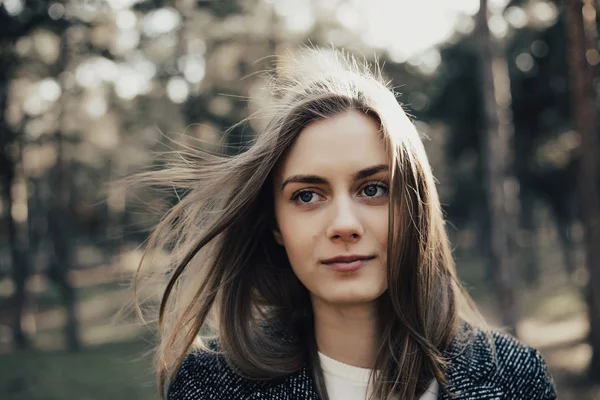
[111, 365]
[114, 371]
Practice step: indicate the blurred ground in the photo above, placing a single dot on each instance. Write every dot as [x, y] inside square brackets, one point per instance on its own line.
[115, 365]
[108, 371]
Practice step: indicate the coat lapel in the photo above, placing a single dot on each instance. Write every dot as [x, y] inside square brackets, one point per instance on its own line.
[298, 386]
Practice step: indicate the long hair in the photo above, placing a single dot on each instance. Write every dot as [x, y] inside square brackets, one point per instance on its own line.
[228, 280]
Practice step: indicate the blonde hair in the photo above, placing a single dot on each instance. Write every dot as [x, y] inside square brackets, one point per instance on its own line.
[229, 281]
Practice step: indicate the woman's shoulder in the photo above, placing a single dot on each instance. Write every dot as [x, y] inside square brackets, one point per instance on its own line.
[207, 375]
[522, 368]
[195, 378]
[498, 361]
[510, 351]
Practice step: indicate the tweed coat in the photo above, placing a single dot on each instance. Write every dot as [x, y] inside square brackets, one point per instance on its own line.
[518, 372]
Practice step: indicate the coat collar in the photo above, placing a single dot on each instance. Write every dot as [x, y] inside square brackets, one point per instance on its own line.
[472, 362]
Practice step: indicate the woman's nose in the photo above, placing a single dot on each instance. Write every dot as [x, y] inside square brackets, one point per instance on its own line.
[345, 223]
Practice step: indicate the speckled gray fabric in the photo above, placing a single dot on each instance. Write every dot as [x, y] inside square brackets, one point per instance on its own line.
[519, 374]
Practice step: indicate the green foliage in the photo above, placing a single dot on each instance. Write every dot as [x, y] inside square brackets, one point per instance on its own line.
[540, 114]
[221, 8]
[457, 101]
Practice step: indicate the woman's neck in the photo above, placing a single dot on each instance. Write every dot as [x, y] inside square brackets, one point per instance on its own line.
[348, 333]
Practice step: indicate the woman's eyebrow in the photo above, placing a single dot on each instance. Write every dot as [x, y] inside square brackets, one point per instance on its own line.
[317, 180]
[366, 172]
[314, 179]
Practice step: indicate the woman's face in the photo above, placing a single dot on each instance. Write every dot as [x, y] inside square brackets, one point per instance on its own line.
[331, 206]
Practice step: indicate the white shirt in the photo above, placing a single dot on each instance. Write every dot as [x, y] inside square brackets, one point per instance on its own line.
[346, 382]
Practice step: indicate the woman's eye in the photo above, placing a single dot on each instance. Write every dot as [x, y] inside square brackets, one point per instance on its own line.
[305, 197]
[375, 190]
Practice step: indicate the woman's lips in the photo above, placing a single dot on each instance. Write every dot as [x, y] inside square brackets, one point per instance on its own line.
[348, 266]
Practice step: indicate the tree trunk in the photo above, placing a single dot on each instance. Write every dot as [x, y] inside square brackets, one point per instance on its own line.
[528, 231]
[17, 236]
[60, 218]
[501, 186]
[61, 228]
[583, 100]
[16, 232]
[523, 148]
[563, 226]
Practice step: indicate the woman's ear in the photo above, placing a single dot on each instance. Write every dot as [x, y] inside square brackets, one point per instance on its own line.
[277, 236]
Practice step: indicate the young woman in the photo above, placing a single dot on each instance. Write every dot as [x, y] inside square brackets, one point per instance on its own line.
[316, 265]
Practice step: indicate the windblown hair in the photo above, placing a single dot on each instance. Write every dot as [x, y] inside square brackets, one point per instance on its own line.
[230, 282]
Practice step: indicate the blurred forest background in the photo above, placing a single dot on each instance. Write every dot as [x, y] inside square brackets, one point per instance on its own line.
[93, 90]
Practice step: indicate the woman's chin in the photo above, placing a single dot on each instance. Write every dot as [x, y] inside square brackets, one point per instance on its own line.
[352, 297]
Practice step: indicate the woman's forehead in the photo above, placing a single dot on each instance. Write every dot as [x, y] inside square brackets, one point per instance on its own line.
[345, 141]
